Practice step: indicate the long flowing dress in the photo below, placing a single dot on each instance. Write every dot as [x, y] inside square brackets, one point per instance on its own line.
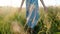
[32, 13]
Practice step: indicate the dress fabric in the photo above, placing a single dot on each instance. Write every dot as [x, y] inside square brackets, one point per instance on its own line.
[32, 13]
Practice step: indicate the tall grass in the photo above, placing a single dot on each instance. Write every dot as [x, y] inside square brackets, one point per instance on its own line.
[48, 23]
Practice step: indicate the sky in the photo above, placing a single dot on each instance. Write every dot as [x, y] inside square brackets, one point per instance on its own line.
[16, 3]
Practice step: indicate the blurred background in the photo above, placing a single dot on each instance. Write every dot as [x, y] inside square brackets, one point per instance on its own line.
[12, 22]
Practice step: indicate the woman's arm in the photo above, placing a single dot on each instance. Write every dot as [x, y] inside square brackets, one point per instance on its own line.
[21, 5]
[42, 3]
[45, 8]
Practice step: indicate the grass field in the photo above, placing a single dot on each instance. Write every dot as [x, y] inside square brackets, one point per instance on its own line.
[13, 23]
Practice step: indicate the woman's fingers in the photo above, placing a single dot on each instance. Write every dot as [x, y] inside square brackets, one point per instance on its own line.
[19, 9]
[46, 9]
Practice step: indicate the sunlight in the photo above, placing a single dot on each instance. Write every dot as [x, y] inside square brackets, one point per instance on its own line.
[16, 3]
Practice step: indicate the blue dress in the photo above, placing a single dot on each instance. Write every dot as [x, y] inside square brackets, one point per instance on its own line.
[32, 13]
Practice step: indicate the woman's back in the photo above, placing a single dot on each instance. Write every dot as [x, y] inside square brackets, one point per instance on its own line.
[28, 2]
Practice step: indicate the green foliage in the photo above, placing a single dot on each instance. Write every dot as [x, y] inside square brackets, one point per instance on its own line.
[40, 28]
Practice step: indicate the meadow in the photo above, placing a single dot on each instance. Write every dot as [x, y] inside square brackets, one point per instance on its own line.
[12, 22]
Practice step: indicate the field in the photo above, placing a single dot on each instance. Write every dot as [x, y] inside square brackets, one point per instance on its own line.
[12, 22]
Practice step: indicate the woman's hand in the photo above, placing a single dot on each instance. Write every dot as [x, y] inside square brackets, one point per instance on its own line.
[46, 9]
[19, 9]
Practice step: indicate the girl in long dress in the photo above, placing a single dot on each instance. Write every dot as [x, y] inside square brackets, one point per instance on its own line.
[32, 12]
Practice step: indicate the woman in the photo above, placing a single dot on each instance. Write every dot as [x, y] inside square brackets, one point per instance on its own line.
[32, 12]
